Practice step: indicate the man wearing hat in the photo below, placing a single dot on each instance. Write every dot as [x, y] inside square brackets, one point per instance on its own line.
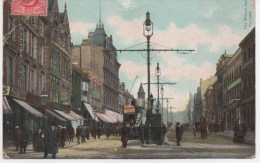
[178, 133]
[51, 140]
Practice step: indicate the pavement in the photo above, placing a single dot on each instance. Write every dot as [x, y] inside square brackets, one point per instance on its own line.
[136, 144]
[249, 138]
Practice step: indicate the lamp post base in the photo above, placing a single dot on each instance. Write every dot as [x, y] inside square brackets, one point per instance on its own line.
[149, 136]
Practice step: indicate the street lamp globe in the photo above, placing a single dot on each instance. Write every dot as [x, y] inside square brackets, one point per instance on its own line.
[157, 71]
[162, 90]
[148, 28]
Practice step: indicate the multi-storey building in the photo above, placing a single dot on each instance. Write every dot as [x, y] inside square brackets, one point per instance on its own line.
[197, 106]
[232, 85]
[204, 84]
[97, 57]
[37, 67]
[220, 70]
[248, 80]
[211, 105]
[76, 89]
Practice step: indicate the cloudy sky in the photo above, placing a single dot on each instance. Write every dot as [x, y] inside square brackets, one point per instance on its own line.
[208, 27]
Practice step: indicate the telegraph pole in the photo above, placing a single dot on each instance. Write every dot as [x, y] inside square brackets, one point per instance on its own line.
[148, 32]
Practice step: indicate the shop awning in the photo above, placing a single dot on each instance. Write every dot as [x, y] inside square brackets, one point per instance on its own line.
[66, 116]
[55, 115]
[76, 116]
[104, 118]
[6, 107]
[116, 117]
[27, 107]
[91, 112]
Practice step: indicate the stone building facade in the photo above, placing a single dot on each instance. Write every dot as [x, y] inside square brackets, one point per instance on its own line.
[97, 57]
[232, 85]
[221, 68]
[248, 80]
[36, 64]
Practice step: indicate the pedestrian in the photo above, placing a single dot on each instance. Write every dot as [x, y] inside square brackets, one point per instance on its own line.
[38, 140]
[51, 141]
[182, 129]
[83, 134]
[78, 133]
[99, 130]
[178, 133]
[17, 134]
[63, 136]
[124, 135]
[24, 138]
[87, 132]
[108, 131]
[71, 133]
[164, 130]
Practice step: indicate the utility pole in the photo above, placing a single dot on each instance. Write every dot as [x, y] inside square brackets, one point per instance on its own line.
[148, 32]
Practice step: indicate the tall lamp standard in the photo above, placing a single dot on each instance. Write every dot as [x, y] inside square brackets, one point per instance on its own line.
[167, 112]
[157, 73]
[148, 32]
[162, 92]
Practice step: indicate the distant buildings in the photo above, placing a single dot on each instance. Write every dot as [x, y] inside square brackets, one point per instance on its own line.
[229, 97]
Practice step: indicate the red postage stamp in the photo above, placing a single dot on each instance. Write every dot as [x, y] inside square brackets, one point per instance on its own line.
[29, 7]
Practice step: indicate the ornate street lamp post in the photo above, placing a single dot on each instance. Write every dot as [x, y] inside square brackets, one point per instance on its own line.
[148, 32]
[162, 92]
[167, 112]
[157, 73]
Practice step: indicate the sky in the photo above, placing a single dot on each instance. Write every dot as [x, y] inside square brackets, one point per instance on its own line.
[209, 27]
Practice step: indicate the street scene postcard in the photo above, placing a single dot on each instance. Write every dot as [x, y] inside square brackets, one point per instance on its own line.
[128, 79]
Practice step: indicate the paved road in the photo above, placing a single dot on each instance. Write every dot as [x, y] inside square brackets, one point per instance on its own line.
[111, 148]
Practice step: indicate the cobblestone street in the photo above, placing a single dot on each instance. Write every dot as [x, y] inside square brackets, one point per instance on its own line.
[111, 148]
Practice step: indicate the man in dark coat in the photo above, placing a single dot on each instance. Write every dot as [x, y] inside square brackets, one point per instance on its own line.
[17, 135]
[87, 132]
[124, 135]
[38, 140]
[78, 133]
[51, 140]
[178, 133]
[24, 138]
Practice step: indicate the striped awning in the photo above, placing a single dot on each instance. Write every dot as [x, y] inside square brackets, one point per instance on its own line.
[6, 107]
[27, 107]
[76, 116]
[114, 116]
[104, 118]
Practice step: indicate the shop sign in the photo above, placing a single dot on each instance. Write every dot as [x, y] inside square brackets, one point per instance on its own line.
[129, 109]
[6, 90]
[64, 96]
[14, 92]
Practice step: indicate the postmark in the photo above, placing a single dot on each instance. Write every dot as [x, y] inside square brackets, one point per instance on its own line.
[29, 7]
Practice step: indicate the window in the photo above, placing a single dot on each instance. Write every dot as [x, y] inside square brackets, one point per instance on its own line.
[41, 83]
[32, 81]
[41, 54]
[25, 78]
[11, 27]
[25, 40]
[41, 28]
[33, 46]
[10, 70]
